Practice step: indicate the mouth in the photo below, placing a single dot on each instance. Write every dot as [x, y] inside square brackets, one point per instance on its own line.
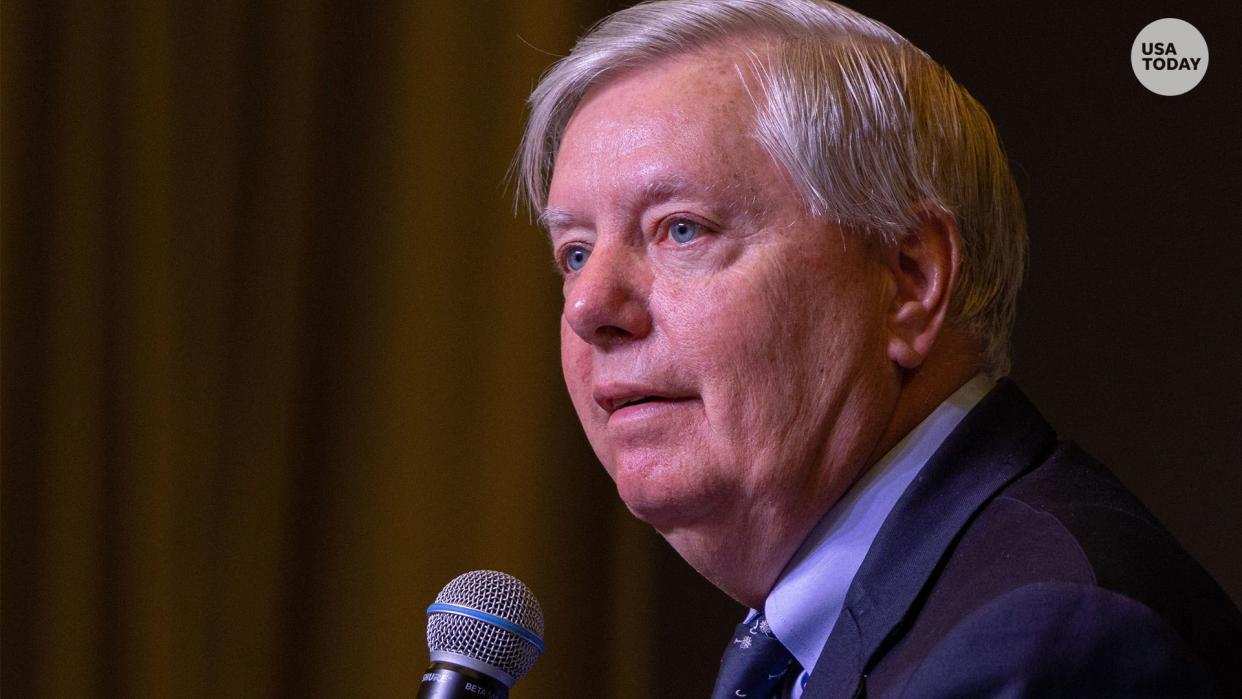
[614, 400]
[637, 400]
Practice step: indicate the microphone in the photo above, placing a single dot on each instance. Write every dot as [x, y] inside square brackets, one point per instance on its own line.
[484, 631]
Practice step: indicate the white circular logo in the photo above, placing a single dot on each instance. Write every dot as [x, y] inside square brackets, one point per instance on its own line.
[1169, 56]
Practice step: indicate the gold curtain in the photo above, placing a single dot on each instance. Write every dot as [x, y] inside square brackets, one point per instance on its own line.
[279, 360]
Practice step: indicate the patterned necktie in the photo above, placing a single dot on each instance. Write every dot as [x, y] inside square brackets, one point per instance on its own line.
[755, 663]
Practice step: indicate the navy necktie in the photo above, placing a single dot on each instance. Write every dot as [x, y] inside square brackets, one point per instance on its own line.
[755, 663]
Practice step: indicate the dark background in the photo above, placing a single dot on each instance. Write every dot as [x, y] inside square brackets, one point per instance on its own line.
[278, 360]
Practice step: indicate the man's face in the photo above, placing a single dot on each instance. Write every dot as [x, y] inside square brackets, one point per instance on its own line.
[722, 349]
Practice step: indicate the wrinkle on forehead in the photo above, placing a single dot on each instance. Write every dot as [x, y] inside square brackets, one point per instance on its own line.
[721, 72]
[621, 117]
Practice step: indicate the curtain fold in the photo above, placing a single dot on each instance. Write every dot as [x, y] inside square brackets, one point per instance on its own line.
[278, 358]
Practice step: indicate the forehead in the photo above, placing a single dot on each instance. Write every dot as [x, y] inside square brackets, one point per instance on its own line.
[714, 79]
[682, 123]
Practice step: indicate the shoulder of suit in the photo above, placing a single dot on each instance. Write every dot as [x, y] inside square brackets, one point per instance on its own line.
[1068, 535]
[1060, 638]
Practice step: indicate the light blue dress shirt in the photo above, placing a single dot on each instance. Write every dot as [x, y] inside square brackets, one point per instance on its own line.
[803, 605]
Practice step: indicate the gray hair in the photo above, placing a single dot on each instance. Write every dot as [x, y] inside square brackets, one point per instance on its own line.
[871, 130]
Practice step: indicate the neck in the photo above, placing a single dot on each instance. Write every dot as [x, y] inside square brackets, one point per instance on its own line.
[746, 567]
[952, 363]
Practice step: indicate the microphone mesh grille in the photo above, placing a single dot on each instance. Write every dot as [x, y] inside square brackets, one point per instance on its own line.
[498, 594]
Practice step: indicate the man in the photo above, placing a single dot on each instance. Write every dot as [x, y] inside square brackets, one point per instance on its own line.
[791, 247]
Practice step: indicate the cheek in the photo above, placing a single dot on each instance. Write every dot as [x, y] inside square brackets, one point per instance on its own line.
[576, 367]
[749, 325]
[734, 335]
[773, 350]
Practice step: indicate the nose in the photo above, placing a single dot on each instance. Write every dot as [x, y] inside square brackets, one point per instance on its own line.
[607, 301]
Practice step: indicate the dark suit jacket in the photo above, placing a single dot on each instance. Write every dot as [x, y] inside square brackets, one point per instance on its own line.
[1015, 565]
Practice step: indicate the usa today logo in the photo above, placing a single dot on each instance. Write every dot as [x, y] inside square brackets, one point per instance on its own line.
[1169, 56]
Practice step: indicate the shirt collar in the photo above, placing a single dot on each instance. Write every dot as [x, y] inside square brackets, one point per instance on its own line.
[803, 606]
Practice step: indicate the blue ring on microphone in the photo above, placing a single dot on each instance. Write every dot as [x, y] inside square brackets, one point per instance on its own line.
[524, 634]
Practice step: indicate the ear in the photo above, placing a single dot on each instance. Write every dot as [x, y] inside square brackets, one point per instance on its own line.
[923, 264]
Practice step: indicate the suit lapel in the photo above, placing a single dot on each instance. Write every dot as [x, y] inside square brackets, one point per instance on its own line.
[999, 439]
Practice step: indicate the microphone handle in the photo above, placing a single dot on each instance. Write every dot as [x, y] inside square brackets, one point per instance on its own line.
[448, 681]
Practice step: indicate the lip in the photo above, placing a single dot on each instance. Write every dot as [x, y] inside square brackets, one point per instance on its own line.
[638, 413]
[617, 399]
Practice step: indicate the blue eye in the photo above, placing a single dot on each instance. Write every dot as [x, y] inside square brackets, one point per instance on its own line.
[683, 231]
[576, 258]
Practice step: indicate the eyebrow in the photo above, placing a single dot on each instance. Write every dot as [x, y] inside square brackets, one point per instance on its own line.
[665, 187]
[660, 189]
[554, 217]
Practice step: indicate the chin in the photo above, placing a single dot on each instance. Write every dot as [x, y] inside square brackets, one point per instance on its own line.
[663, 513]
[666, 499]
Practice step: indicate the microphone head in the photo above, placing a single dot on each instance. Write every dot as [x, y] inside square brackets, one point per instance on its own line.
[488, 621]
